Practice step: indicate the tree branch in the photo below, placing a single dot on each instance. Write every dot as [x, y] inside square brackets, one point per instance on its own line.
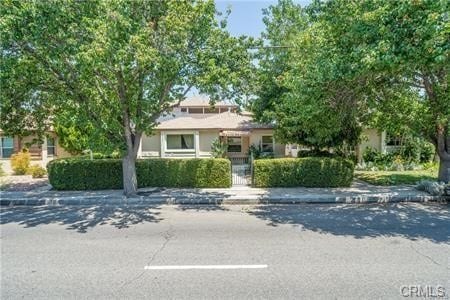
[65, 81]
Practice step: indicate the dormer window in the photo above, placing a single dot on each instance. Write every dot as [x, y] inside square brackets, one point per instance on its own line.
[195, 110]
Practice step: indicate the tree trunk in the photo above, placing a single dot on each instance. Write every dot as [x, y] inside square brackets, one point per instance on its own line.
[443, 150]
[444, 170]
[129, 175]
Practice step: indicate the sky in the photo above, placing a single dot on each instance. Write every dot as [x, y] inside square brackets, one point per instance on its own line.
[246, 15]
[245, 18]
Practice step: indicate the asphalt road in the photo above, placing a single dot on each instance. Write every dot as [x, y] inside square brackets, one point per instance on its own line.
[297, 252]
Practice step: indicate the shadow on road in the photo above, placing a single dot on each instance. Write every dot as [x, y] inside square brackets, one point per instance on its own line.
[411, 221]
[80, 218]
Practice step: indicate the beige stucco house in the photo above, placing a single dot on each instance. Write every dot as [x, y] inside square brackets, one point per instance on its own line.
[193, 125]
[41, 154]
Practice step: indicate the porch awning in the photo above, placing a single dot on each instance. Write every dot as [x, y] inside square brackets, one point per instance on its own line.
[234, 133]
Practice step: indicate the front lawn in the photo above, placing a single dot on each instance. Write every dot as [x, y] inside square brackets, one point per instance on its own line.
[395, 177]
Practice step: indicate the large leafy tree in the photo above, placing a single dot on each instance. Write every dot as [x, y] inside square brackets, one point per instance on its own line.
[283, 22]
[398, 56]
[295, 82]
[356, 60]
[111, 68]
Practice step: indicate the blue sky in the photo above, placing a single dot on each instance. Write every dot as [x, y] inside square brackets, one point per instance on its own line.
[246, 15]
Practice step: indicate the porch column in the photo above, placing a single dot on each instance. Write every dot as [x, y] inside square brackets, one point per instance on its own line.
[383, 142]
[163, 144]
[44, 154]
[197, 143]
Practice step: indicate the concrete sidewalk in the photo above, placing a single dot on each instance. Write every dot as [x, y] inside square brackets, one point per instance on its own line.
[358, 193]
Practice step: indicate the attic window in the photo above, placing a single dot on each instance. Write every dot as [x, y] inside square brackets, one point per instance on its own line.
[193, 110]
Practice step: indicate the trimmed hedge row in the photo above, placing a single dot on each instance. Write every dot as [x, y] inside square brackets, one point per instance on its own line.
[306, 172]
[97, 174]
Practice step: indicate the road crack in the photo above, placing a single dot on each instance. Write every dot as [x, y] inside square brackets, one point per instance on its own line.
[426, 256]
[167, 235]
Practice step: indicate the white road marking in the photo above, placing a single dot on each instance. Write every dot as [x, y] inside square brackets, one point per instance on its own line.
[205, 267]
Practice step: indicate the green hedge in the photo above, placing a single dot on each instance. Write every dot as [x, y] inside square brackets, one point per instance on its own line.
[82, 174]
[306, 172]
[200, 172]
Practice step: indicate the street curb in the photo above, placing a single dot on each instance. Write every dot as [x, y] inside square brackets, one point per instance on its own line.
[232, 200]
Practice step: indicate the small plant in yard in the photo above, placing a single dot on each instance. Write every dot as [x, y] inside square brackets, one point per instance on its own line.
[397, 164]
[2, 173]
[257, 152]
[36, 171]
[219, 148]
[20, 162]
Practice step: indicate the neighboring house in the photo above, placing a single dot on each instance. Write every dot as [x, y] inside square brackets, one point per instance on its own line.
[193, 126]
[40, 153]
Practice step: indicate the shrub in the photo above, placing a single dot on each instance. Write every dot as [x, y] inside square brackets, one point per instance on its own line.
[212, 173]
[256, 152]
[219, 148]
[20, 162]
[427, 152]
[81, 174]
[85, 174]
[2, 173]
[307, 172]
[36, 171]
[315, 153]
[335, 153]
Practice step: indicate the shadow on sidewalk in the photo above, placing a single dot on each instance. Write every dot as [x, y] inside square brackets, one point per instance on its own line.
[411, 221]
[80, 218]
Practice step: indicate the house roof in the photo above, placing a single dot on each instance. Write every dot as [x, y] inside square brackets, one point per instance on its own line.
[203, 101]
[225, 120]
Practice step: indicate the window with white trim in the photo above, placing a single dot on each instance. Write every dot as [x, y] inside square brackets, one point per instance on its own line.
[234, 144]
[6, 147]
[267, 143]
[180, 142]
[51, 146]
[393, 140]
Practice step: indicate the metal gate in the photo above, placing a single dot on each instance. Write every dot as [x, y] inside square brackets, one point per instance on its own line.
[240, 171]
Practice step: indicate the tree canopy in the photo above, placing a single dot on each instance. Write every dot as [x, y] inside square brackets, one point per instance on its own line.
[356, 64]
[111, 68]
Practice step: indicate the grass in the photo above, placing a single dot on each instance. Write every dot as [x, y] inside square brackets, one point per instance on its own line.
[395, 177]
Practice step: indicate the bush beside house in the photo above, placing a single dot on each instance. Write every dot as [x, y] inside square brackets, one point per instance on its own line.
[306, 172]
[82, 174]
[20, 162]
[36, 171]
